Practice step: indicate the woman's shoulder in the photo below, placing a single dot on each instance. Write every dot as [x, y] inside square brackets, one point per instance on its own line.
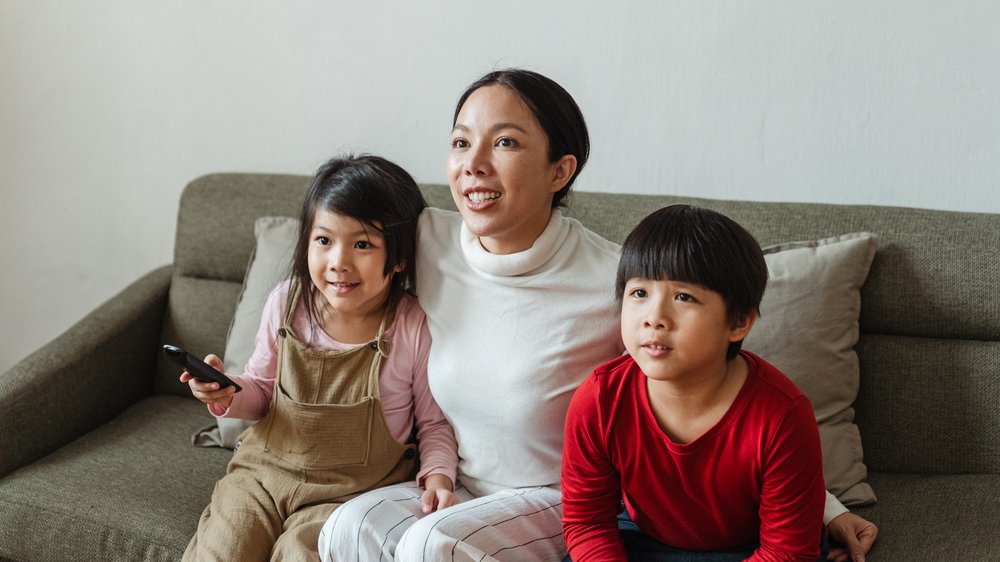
[591, 239]
[434, 218]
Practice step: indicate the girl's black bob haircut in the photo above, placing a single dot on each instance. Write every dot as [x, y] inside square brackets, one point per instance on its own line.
[379, 194]
[556, 111]
[700, 246]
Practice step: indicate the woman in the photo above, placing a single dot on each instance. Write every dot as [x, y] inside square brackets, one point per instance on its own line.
[520, 304]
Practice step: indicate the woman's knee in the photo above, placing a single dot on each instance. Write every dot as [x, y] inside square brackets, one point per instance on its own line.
[362, 525]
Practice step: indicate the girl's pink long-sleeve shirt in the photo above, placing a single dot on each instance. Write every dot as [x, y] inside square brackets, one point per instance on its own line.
[406, 398]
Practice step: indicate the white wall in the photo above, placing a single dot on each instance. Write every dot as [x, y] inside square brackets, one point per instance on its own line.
[108, 109]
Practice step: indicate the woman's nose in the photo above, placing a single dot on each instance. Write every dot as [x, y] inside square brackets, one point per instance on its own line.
[477, 160]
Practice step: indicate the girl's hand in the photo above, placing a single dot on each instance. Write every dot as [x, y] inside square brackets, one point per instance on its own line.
[438, 493]
[208, 392]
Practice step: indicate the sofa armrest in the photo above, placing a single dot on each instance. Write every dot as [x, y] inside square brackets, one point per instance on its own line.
[84, 377]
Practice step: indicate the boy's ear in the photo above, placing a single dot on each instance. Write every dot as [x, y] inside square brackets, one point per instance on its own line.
[741, 328]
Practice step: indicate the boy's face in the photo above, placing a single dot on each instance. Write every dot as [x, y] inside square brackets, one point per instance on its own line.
[677, 331]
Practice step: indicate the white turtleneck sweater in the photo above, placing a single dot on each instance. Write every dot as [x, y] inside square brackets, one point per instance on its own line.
[513, 337]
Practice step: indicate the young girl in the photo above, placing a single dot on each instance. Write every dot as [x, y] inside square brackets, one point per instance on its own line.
[338, 377]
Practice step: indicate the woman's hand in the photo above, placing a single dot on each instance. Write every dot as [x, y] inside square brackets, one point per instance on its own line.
[208, 392]
[439, 493]
[854, 536]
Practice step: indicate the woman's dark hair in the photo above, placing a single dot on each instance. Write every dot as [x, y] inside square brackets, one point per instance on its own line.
[700, 246]
[379, 194]
[553, 107]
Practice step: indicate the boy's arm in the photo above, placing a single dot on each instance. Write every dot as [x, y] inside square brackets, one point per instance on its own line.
[591, 487]
[792, 492]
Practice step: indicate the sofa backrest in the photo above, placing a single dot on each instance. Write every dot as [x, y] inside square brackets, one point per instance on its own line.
[930, 322]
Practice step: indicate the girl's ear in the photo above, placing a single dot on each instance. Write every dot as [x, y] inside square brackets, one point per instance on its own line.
[563, 170]
[399, 267]
[741, 328]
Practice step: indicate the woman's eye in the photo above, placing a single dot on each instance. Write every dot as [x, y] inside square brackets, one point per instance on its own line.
[506, 142]
[459, 143]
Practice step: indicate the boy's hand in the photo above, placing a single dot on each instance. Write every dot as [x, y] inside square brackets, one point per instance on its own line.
[208, 392]
[854, 536]
[438, 494]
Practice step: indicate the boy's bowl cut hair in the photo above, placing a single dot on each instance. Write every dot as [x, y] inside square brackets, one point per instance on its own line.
[700, 246]
[379, 194]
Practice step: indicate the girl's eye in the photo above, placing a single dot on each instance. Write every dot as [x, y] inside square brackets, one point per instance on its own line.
[363, 245]
[322, 240]
[684, 297]
[459, 143]
[638, 293]
[506, 142]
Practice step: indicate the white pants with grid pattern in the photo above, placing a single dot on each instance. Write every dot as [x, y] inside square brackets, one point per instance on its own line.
[523, 524]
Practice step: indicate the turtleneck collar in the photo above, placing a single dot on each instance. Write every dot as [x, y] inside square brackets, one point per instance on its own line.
[518, 263]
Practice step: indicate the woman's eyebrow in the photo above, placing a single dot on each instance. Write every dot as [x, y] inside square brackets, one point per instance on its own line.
[493, 129]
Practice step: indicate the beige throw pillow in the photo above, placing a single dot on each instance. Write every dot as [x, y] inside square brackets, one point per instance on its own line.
[270, 264]
[808, 328]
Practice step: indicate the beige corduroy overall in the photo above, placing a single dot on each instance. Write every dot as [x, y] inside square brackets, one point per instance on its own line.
[323, 441]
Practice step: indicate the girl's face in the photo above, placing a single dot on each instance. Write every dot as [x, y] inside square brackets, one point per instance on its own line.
[346, 260]
[499, 170]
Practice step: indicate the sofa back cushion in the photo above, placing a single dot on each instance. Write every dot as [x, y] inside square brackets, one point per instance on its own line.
[930, 309]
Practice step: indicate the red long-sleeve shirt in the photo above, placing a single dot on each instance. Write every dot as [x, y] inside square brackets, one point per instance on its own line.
[755, 476]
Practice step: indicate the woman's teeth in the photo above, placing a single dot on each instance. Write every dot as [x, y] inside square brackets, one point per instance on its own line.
[480, 196]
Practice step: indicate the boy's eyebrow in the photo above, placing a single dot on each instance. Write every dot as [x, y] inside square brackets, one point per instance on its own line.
[493, 129]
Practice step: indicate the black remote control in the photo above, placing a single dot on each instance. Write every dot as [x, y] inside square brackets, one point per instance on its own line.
[201, 370]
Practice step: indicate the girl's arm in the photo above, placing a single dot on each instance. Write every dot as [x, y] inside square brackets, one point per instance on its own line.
[257, 380]
[591, 485]
[437, 444]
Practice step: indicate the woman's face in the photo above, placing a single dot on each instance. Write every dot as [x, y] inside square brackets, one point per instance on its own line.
[499, 171]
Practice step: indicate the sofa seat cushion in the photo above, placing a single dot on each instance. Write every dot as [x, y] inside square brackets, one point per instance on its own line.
[130, 490]
[935, 516]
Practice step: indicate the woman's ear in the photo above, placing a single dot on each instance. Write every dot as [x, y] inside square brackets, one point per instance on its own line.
[562, 171]
[741, 327]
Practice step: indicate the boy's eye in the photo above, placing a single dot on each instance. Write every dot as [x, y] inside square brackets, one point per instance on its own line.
[459, 143]
[506, 142]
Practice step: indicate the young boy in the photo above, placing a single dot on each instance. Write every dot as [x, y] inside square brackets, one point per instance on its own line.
[712, 450]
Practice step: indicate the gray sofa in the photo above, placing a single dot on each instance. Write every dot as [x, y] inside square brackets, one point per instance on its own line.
[96, 461]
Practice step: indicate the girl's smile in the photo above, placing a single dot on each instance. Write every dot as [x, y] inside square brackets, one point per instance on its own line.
[347, 266]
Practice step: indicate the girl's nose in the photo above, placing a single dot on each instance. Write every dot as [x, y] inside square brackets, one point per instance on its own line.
[337, 259]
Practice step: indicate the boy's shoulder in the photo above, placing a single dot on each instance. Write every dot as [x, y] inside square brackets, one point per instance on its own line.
[612, 376]
[771, 381]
